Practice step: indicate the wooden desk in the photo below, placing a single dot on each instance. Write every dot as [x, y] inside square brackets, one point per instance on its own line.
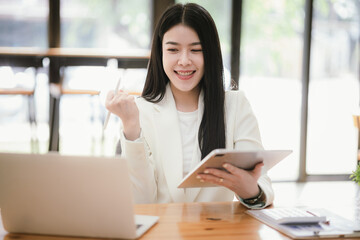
[228, 220]
[63, 57]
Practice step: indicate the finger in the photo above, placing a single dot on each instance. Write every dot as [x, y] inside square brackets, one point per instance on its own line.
[124, 100]
[120, 91]
[232, 169]
[212, 179]
[119, 97]
[109, 95]
[257, 170]
[216, 176]
[238, 171]
[116, 102]
[109, 99]
[125, 97]
[114, 98]
[216, 172]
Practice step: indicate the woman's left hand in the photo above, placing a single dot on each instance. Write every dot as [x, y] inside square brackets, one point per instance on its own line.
[241, 182]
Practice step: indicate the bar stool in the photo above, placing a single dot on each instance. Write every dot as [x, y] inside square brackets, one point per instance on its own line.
[58, 91]
[29, 93]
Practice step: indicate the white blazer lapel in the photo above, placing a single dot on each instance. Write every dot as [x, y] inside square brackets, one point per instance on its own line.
[170, 143]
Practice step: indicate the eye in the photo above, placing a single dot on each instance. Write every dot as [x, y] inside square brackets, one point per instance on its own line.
[172, 50]
[196, 50]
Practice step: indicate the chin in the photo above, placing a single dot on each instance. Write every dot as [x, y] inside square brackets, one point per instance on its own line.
[186, 88]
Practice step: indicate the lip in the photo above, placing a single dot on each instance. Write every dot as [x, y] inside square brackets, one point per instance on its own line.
[185, 75]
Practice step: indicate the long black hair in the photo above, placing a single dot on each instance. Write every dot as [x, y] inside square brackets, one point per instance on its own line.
[212, 127]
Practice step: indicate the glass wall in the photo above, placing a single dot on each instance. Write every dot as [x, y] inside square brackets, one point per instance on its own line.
[334, 87]
[270, 75]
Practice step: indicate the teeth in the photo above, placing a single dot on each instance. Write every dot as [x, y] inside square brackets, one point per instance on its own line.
[184, 73]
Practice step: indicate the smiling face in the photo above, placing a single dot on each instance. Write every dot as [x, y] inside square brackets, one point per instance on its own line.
[183, 59]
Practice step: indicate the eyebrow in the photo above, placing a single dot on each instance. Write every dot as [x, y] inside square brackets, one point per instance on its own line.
[175, 43]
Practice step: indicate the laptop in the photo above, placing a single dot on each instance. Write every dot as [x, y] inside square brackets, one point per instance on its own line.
[79, 196]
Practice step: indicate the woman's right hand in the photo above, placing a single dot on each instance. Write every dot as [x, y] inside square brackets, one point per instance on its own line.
[123, 105]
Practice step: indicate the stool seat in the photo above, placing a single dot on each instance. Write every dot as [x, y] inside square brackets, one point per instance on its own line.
[57, 90]
[29, 94]
[16, 91]
[80, 91]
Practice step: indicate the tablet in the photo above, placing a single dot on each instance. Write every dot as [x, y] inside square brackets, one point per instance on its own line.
[242, 159]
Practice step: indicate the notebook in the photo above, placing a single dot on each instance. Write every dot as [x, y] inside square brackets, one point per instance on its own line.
[68, 195]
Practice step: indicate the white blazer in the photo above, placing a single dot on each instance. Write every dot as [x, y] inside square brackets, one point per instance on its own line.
[155, 160]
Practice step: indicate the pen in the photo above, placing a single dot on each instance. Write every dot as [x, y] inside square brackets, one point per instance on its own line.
[327, 222]
[109, 113]
[311, 213]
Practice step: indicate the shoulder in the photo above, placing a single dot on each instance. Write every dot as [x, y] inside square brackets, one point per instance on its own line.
[235, 97]
[234, 93]
[236, 102]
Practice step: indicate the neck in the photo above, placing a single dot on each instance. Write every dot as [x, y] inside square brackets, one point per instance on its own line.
[186, 101]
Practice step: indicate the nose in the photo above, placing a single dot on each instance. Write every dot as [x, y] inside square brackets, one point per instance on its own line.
[184, 59]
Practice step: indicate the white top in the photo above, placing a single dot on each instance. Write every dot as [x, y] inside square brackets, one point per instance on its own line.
[188, 130]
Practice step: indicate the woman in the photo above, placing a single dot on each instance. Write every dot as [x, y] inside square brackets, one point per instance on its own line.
[184, 113]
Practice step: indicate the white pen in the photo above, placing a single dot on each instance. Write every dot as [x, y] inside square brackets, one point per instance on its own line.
[109, 113]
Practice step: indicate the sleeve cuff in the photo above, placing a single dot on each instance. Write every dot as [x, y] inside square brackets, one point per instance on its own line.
[139, 139]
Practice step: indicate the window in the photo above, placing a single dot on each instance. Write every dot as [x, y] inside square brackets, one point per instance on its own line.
[271, 57]
[334, 87]
[23, 23]
[115, 24]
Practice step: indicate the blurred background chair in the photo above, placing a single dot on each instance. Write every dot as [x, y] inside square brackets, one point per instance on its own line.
[75, 103]
[17, 83]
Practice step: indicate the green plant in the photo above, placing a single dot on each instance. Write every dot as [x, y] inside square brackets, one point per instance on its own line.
[355, 176]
